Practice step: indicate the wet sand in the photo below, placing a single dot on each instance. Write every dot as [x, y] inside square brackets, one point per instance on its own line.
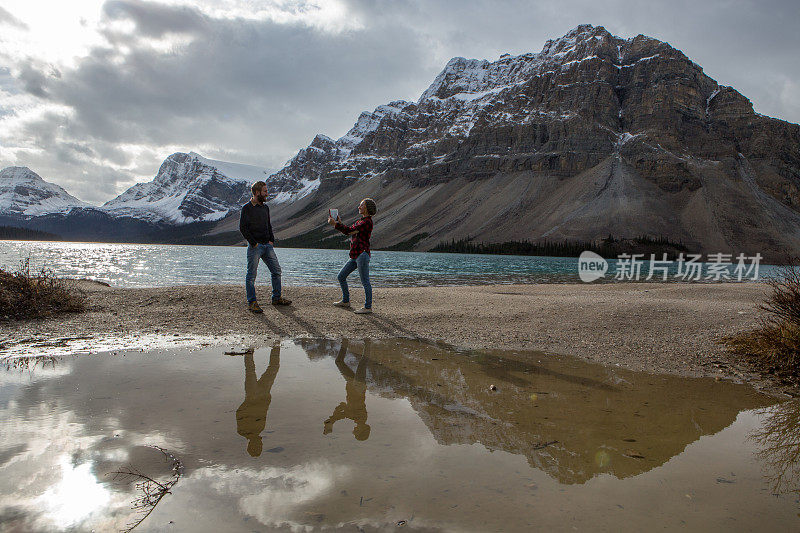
[671, 328]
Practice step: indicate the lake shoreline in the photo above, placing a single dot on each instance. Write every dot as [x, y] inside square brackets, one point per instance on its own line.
[671, 328]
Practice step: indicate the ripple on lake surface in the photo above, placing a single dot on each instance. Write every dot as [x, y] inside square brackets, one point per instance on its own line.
[321, 434]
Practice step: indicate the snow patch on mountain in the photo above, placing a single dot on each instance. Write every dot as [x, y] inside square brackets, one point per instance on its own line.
[236, 171]
[307, 186]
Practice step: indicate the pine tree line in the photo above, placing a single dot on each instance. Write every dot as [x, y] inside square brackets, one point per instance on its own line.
[610, 247]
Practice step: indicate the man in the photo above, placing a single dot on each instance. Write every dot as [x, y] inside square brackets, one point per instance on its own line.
[256, 228]
[251, 416]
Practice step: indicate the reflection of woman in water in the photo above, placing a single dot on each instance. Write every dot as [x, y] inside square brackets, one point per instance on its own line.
[355, 408]
[251, 416]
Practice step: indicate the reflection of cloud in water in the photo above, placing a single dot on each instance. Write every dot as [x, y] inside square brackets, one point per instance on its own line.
[76, 496]
[272, 494]
[43, 433]
[52, 481]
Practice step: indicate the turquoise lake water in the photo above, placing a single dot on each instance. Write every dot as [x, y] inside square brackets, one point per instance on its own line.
[154, 265]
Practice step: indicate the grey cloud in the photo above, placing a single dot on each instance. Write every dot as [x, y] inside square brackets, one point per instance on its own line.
[83, 177]
[256, 88]
[8, 83]
[42, 130]
[8, 86]
[261, 90]
[278, 82]
[34, 80]
[154, 19]
[11, 20]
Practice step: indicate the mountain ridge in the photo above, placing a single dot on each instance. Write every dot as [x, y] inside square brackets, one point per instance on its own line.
[594, 135]
[187, 194]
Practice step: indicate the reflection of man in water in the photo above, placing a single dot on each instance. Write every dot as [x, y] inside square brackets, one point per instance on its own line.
[251, 416]
[355, 408]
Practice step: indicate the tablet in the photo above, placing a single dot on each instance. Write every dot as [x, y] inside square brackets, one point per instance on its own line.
[334, 213]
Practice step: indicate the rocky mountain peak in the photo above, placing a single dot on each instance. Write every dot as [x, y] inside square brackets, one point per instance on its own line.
[19, 174]
[323, 142]
[368, 122]
[24, 192]
[187, 188]
[580, 41]
[180, 167]
[467, 79]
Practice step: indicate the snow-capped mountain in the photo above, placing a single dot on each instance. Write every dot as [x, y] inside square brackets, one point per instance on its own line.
[591, 136]
[302, 174]
[188, 188]
[24, 193]
[544, 87]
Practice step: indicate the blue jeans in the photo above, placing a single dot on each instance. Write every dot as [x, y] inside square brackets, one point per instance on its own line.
[362, 264]
[267, 253]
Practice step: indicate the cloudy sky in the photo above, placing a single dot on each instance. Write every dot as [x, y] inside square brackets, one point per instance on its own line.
[95, 94]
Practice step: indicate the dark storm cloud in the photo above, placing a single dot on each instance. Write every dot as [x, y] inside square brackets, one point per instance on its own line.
[10, 20]
[260, 90]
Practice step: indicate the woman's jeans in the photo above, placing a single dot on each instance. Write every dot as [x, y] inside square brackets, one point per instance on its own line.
[362, 264]
[266, 253]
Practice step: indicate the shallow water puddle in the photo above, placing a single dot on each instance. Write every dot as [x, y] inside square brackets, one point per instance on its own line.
[360, 435]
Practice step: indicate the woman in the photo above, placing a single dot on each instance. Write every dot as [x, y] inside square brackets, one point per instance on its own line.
[359, 253]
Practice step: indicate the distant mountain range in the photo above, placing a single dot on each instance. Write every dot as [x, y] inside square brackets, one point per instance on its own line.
[189, 190]
[594, 135]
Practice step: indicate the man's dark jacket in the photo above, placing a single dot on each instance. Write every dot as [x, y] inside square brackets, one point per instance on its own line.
[255, 225]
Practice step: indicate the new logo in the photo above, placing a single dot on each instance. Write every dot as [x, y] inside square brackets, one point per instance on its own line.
[591, 266]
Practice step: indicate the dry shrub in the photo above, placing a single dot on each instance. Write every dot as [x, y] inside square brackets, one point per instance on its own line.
[775, 346]
[778, 441]
[24, 294]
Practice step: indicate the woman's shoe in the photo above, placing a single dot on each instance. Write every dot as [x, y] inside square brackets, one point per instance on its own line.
[363, 311]
[342, 303]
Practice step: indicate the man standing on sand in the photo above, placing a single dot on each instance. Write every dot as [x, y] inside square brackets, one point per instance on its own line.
[256, 228]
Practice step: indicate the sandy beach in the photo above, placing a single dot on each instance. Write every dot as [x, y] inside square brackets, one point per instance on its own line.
[669, 328]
